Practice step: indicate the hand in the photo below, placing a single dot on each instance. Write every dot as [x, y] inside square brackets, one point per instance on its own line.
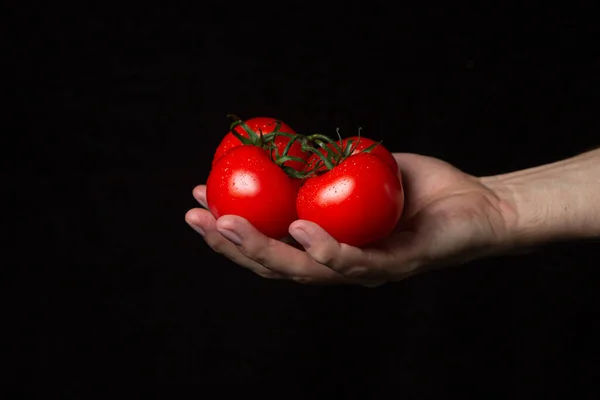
[449, 217]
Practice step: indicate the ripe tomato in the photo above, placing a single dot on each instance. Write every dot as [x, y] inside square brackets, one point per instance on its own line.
[357, 202]
[245, 182]
[361, 143]
[266, 126]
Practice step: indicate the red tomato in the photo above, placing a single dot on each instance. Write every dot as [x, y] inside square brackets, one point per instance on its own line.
[266, 125]
[357, 202]
[245, 182]
[360, 143]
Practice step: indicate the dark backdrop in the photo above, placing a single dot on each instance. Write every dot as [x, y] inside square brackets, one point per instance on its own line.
[121, 110]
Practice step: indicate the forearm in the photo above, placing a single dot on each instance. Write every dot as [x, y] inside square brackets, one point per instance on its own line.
[558, 201]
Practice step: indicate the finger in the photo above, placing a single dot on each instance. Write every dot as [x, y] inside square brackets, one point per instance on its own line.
[203, 222]
[199, 194]
[273, 254]
[349, 261]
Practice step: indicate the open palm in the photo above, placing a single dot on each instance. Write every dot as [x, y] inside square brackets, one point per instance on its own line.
[449, 217]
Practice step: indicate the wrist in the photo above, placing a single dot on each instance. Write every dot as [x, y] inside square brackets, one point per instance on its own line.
[554, 202]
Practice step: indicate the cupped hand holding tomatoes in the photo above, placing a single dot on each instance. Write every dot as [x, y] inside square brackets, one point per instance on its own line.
[345, 219]
[358, 201]
[449, 217]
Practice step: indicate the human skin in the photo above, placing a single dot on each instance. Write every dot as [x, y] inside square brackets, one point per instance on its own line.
[450, 217]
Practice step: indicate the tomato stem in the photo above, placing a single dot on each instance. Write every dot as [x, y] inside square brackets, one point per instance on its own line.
[290, 143]
[337, 131]
[335, 151]
[328, 163]
[324, 138]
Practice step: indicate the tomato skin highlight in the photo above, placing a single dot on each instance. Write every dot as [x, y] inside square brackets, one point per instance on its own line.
[357, 202]
[245, 182]
[266, 125]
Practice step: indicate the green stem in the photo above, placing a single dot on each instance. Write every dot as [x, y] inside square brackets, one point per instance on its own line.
[324, 138]
[241, 138]
[251, 134]
[371, 147]
[326, 161]
[289, 145]
[331, 154]
[281, 160]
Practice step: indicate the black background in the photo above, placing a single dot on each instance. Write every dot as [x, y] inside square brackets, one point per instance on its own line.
[119, 112]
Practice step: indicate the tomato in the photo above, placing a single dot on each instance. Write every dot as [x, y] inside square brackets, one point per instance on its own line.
[361, 143]
[357, 202]
[266, 126]
[245, 182]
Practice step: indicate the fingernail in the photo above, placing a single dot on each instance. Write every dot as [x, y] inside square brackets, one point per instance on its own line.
[203, 204]
[231, 236]
[302, 237]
